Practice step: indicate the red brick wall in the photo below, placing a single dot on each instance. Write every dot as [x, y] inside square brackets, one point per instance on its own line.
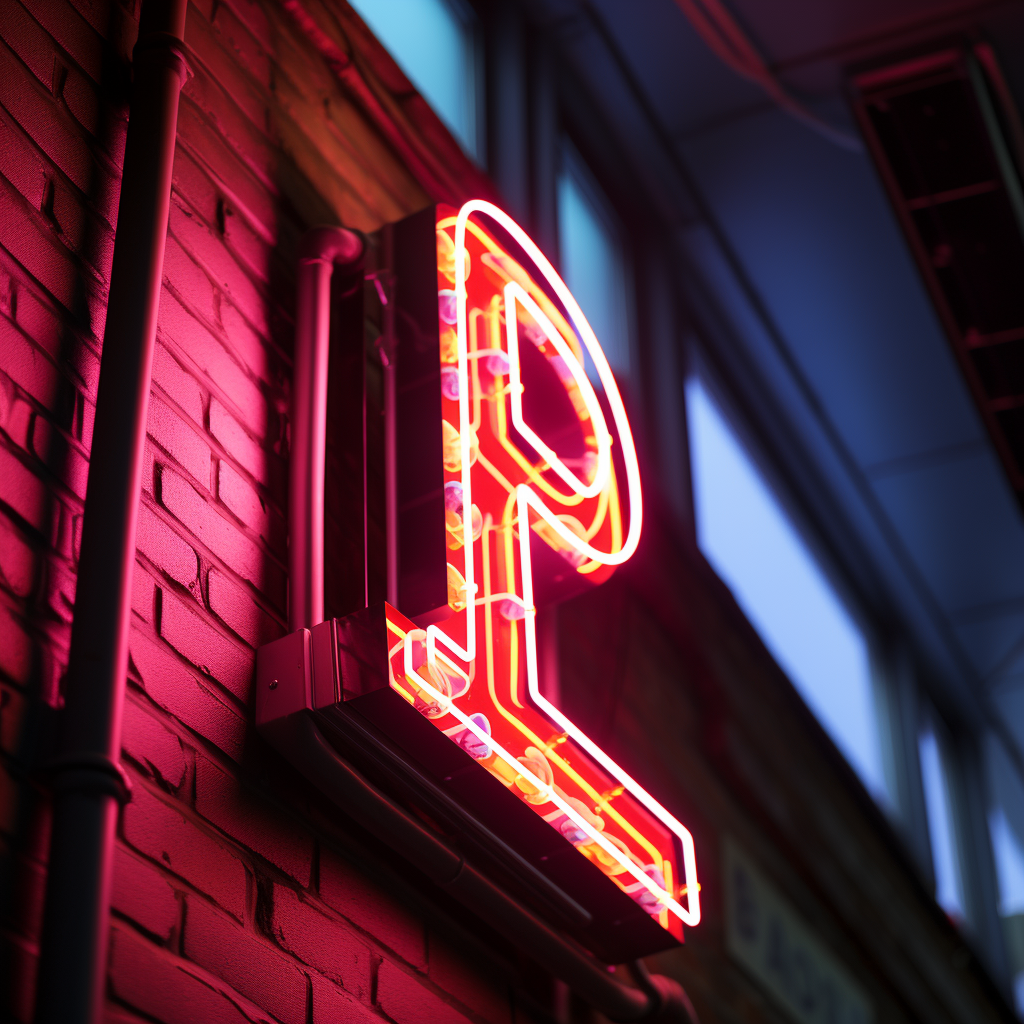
[238, 893]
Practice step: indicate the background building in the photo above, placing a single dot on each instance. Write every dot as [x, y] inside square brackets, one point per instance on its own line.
[816, 658]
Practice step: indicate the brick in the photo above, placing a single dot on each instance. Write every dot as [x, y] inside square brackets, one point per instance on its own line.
[208, 354]
[143, 895]
[320, 943]
[206, 51]
[250, 822]
[221, 537]
[246, 140]
[143, 593]
[209, 251]
[19, 423]
[237, 610]
[62, 458]
[151, 745]
[190, 283]
[168, 552]
[248, 341]
[405, 1000]
[23, 492]
[182, 695]
[249, 966]
[162, 986]
[28, 40]
[471, 978]
[178, 385]
[240, 39]
[26, 892]
[228, 172]
[30, 240]
[369, 906]
[237, 494]
[249, 246]
[13, 708]
[56, 134]
[192, 185]
[239, 445]
[232, 665]
[179, 439]
[158, 830]
[18, 561]
[60, 590]
[331, 1005]
[74, 34]
[21, 163]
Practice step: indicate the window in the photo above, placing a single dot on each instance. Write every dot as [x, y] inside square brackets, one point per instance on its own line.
[755, 549]
[935, 777]
[590, 247]
[1006, 829]
[434, 42]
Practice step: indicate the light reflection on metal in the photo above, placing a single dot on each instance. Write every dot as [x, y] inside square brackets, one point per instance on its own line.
[509, 462]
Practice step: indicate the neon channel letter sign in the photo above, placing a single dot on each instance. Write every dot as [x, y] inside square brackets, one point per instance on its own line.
[533, 504]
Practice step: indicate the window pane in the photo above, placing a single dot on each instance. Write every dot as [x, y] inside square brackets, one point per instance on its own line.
[948, 890]
[592, 264]
[433, 43]
[753, 546]
[1006, 828]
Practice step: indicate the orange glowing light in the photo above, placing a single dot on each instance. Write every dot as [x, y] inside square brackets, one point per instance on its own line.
[516, 485]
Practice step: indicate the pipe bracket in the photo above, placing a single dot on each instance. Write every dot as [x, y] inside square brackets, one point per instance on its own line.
[94, 774]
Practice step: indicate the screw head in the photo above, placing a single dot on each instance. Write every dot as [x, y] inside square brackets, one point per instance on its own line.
[273, 684]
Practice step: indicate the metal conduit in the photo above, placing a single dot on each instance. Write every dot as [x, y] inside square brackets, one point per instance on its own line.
[87, 780]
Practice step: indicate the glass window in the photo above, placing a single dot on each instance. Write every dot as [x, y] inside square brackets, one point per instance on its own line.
[754, 547]
[434, 42]
[941, 822]
[1006, 828]
[590, 250]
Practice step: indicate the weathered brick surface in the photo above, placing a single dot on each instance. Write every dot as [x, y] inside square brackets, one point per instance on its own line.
[147, 979]
[370, 906]
[179, 440]
[192, 635]
[471, 977]
[236, 608]
[240, 813]
[177, 690]
[142, 894]
[321, 943]
[151, 745]
[219, 535]
[331, 1004]
[155, 827]
[406, 999]
[248, 964]
[18, 560]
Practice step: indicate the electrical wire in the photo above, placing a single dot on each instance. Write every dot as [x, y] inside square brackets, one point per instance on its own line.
[727, 41]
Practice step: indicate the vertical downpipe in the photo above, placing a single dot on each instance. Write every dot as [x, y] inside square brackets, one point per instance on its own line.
[319, 251]
[87, 780]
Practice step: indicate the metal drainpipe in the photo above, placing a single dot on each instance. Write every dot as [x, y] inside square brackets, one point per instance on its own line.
[87, 780]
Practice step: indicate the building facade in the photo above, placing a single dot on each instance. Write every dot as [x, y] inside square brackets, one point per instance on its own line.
[240, 892]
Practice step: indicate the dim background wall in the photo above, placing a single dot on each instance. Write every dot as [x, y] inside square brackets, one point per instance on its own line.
[240, 894]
